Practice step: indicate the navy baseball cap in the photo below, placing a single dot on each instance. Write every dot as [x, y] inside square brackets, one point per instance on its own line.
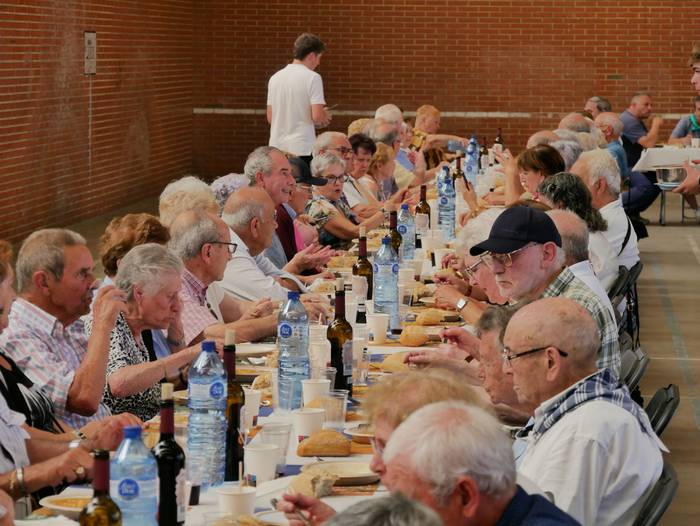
[515, 228]
[302, 173]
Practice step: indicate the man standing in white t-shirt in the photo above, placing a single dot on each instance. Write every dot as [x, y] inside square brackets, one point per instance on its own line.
[295, 101]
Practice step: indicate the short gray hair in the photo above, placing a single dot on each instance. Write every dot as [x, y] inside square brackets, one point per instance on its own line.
[600, 103]
[446, 440]
[43, 250]
[601, 164]
[495, 319]
[388, 137]
[324, 140]
[569, 151]
[389, 113]
[145, 266]
[566, 135]
[393, 510]
[574, 235]
[612, 120]
[188, 237]
[321, 163]
[259, 161]
[244, 214]
[187, 193]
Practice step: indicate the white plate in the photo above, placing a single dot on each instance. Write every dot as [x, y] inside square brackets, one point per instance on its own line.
[428, 300]
[70, 512]
[272, 517]
[349, 473]
[254, 349]
[360, 433]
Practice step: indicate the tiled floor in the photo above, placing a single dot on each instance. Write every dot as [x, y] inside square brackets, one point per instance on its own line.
[669, 302]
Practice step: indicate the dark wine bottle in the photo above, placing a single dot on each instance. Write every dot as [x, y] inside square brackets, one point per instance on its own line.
[422, 208]
[394, 233]
[235, 399]
[171, 465]
[458, 173]
[340, 336]
[499, 141]
[362, 266]
[101, 510]
[483, 155]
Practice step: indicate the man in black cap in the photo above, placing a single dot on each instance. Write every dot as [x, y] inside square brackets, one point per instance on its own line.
[524, 252]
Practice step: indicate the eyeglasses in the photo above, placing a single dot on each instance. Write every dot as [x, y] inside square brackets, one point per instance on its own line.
[231, 246]
[471, 269]
[342, 150]
[508, 358]
[332, 179]
[506, 260]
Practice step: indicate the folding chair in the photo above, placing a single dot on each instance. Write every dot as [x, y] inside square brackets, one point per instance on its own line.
[618, 288]
[659, 498]
[634, 363]
[662, 407]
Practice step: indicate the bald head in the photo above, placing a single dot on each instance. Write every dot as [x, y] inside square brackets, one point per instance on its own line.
[542, 137]
[250, 212]
[610, 124]
[574, 235]
[575, 122]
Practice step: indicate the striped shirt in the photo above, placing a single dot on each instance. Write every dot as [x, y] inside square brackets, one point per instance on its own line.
[49, 354]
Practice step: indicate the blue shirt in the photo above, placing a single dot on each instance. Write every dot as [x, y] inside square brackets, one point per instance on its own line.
[633, 129]
[618, 152]
[533, 510]
[403, 160]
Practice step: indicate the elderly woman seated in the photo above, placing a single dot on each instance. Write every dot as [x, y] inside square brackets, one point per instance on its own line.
[336, 223]
[381, 169]
[150, 276]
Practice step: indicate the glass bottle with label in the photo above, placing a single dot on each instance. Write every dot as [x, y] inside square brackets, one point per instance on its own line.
[340, 335]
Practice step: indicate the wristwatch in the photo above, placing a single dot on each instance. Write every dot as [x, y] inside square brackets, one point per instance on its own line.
[461, 304]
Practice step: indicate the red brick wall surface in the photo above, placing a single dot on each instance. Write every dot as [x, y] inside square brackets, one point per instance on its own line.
[157, 60]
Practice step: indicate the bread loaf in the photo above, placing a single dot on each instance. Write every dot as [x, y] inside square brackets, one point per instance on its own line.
[313, 482]
[429, 317]
[393, 363]
[324, 443]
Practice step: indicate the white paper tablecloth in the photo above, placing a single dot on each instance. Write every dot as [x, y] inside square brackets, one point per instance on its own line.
[653, 158]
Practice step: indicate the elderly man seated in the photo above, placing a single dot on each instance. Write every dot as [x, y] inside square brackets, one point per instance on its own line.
[203, 242]
[589, 445]
[599, 172]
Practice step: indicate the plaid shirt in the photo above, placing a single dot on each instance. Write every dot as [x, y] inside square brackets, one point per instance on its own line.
[569, 286]
[196, 314]
[49, 354]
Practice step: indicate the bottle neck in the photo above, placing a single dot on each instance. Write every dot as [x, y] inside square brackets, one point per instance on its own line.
[100, 477]
[392, 220]
[459, 163]
[230, 361]
[340, 305]
[362, 247]
[167, 418]
[423, 192]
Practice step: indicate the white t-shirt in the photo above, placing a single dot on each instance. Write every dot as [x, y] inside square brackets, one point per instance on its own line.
[617, 220]
[291, 92]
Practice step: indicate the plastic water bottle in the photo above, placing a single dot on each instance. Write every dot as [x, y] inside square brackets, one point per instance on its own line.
[407, 229]
[206, 428]
[446, 205]
[133, 480]
[471, 168]
[386, 283]
[293, 338]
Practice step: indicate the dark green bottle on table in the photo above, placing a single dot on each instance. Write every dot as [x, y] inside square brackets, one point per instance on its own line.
[362, 266]
[101, 510]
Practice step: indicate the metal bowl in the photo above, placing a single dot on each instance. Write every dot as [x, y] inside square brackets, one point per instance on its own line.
[670, 174]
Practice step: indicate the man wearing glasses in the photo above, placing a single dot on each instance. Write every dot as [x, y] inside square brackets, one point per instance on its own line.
[588, 444]
[524, 252]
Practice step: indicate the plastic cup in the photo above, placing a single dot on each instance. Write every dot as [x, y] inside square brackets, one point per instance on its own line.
[695, 142]
[220, 519]
[350, 311]
[278, 433]
[307, 421]
[433, 213]
[418, 264]
[315, 388]
[251, 408]
[335, 404]
[406, 273]
[260, 461]
[359, 286]
[369, 305]
[360, 363]
[237, 500]
[377, 325]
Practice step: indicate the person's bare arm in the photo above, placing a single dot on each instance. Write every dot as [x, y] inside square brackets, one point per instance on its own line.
[652, 136]
[440, 140]
[343, 228]
[320, 115]
[679, 141]
[86, 390]
[246, 330]
[269, 114]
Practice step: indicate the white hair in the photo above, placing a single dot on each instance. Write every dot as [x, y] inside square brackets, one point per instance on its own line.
[321, 163]
[188, 237]
[324, 141]
[188, 183]
[259, 161]
[187, 193]
[393, 510]
[477, 229]
[566, 135]
[574, 235]
[612, 120]
[587, 141]
[145, 266]
[600, 164]
[390, 113]
[244, 214]
[569, 151]
[446, 440]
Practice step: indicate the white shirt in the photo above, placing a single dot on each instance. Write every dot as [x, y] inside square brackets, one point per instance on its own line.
[252, 278]
[617, 220]
[12, 438]
[596, 462]
[603, 259]
[584, 271]
[353, 193]
[291, 92]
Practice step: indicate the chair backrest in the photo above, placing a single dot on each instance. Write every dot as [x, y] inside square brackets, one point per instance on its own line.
[634, 362]
[662, 407]
[634, 272]
[659, 499]
[617, 289]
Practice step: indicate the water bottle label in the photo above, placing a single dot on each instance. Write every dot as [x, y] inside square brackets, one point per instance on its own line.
[129, 489]
[285, 330]
[181, 494]
[395, 268]
[213, 390]
[443, 200]
[347, 359]
[375, 267]
[402, 229]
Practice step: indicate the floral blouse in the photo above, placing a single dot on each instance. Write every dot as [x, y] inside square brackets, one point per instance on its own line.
[125, 350]
[320, 209]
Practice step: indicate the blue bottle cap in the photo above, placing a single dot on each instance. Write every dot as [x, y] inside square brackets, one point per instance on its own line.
[386, 240]
[132, 432]
[292, 295]
[208, 346]
[404, 206]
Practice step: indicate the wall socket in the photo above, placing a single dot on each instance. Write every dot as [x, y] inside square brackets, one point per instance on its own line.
[90, 52]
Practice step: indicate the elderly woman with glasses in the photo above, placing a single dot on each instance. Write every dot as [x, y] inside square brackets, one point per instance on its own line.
[150, 276]
[330, 214]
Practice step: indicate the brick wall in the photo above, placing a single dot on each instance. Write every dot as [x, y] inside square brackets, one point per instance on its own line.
[540, 57]
[61, 161]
